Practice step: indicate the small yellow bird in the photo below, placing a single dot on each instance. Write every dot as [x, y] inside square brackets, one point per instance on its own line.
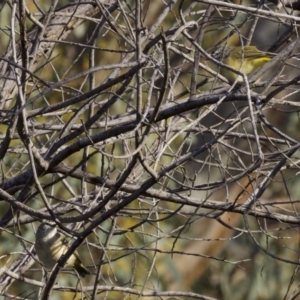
[51, 245]
[247, 60]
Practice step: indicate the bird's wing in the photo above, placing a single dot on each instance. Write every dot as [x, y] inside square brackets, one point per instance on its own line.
[253, 52]
[66, 243]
